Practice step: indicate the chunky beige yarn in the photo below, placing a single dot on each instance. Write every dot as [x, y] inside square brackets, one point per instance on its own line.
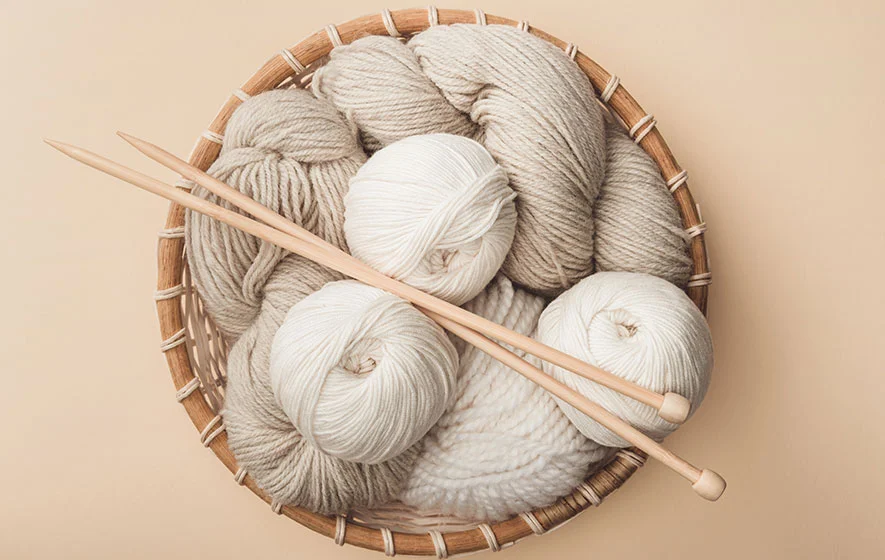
[434, 211]
[503, 447]
[361, 373]
[294, 154]
[640, 328]
[521, 97]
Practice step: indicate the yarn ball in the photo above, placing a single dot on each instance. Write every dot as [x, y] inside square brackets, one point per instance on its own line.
[294, 154]
[638, 327]
[638, 226]
[361, 373]
[434, 211]
[518, 95]
[503, 447]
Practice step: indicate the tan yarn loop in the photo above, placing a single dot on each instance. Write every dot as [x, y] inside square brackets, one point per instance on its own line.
[171, 269]
[185, 185]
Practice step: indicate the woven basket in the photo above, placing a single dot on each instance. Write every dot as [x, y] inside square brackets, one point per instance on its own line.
[196, 353]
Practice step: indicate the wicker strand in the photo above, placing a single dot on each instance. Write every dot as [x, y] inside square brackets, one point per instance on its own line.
[632, 457]
[389, 25]
[489, 535]
[175, 340]
[588, 492]
[240, 476]
[241, 95]
[523, 26]
[697, 280]
[432, 15]
[334, 37]
[169, 293]
[696, 230]
[208, 434]
[340, 529]
[609, 90]
[187, 389]
[439, 544]
[532, 522]
[213, 136]
[650, 119]
[571, 50]
[677, 180]
[185, 185]
[480, 16]
[290, 59]
[387, 537]
[276, 507]
[171, 233]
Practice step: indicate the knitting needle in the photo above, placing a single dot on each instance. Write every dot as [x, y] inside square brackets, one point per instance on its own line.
[705, 483]
[672, 407]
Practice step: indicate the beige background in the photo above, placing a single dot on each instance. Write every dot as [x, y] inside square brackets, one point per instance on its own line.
[776, 109]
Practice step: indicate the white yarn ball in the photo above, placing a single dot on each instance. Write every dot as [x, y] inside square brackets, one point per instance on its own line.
[434, 211]
[638, 327]
[361, 373]
[503, 446]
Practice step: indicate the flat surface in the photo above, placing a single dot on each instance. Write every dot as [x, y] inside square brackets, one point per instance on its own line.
[776, 110]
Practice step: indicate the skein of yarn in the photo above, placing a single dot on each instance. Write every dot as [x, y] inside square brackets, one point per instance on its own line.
[360, 372]
[638, 327]
[503, 447]
[638, 227]
[434, 211]
[518, 95]
[294, 154]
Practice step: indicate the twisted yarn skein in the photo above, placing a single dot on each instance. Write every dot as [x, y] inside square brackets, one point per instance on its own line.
[504, 446]
[360, 372]
[638, 327]
[638, 227]
[434, 211]
[527, 103]
[295, 155]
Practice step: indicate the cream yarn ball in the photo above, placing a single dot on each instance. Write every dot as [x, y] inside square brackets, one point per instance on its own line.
[503, 447]
[360, 372]
[638, 327]
[434, 211]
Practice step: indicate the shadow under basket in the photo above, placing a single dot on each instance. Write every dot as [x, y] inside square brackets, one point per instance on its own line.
[196, 352]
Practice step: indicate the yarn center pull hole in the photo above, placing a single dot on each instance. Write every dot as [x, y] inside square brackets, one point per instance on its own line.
[625, 324]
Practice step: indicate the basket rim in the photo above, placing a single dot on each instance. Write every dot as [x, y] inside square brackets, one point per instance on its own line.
[171, 264]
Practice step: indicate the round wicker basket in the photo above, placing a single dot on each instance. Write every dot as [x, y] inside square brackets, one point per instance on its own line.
[196, 353]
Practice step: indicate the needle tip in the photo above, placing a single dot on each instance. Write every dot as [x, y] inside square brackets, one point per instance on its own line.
[709, 485]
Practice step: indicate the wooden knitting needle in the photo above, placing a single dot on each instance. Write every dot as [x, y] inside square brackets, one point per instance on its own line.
[672, 407]
[706, 483]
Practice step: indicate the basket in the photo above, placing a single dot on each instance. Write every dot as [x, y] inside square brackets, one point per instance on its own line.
[196, 352]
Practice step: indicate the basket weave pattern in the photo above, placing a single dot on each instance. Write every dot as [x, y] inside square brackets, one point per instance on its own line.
[196, 353]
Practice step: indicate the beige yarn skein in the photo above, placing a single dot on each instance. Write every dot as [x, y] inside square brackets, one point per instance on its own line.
[295, 155]
[526, 102]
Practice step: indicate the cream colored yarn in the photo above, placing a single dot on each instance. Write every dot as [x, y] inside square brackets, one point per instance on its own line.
[521, 97]
[360, 372]
[638, 327]
[638, 226]
[503, 447]
[434, 211]
[294, 154]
